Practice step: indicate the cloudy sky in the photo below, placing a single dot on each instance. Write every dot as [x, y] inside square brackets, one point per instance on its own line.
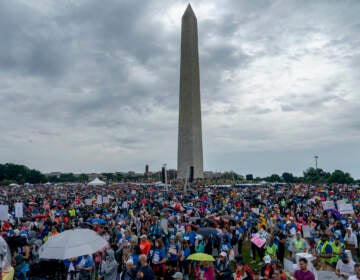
[89, 85]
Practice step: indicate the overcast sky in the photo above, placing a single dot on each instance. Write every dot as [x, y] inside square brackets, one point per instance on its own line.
[89, 85]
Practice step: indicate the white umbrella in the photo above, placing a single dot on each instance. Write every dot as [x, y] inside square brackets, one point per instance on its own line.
[72, 243]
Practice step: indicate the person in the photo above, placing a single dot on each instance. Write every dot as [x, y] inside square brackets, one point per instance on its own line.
[85, 267]
[298, 244]
[323, 252]
[268, 268]
[183, 262]
[145, 245]
[338, 249]
[222, 268]
[345, 266]
[158, 259]
[271, 248]
[256, 274]
[109, 265]
[351, 243]
[204, 271]
[241, 273]
[145, 272]
[303, 273]
[357, 272]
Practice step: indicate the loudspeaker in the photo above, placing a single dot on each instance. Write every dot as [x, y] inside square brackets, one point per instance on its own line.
[191, 179]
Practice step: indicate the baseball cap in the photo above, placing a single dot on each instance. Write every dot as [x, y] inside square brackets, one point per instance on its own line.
[143, 236]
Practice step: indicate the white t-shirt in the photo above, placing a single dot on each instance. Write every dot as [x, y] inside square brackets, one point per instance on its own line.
[346, 268]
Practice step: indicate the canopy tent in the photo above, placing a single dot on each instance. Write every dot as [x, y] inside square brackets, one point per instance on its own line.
[96, 182]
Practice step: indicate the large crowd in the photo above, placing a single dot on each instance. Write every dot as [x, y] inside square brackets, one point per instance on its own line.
[151, 230]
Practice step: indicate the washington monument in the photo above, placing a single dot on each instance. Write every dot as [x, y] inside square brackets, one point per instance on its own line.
[190, 152]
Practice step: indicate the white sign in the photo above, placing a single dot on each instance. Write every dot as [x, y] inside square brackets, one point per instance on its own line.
[133, 192]
[99, 199]
[105, 199]
[88, 201]
[340, 202]
[329, 204]
[19, 210]
[4, 212]
[255, 210]
[306, 231]
[346, 208]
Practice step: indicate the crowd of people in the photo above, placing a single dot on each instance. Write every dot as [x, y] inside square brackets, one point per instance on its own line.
[152, 230]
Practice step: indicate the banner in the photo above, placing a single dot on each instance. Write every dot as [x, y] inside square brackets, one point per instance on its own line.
[88, 201]
[340, 202]
[259, 242]
[346, 208]
[306, 231]
[328, 204]
[19, 210]
[4, 212]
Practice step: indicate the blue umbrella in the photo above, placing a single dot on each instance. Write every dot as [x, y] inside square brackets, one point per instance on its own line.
[97, 221]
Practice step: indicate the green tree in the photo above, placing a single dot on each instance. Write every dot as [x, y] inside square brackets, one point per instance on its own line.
[249, 177]
[340, 177]
[312, 175]
[288, 177]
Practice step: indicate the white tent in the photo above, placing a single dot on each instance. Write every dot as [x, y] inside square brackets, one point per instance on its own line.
[96, 182]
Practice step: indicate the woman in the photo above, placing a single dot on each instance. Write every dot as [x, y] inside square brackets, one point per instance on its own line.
[183, 263]
[204, 271]
[241, 273]
[109, 266]
[158, 259]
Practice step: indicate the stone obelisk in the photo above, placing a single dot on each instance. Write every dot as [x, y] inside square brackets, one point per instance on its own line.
[190, 152]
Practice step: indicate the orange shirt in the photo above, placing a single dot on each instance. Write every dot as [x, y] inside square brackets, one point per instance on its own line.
[145, 247]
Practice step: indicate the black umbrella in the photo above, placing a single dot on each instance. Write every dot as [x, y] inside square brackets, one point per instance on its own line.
[16, 241]
[207, 231]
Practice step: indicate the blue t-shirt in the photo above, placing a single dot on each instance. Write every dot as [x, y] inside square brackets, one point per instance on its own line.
[158, 255]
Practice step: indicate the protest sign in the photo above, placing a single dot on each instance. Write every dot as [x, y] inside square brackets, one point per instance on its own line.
[306, 231]
[99, 199]
[88, 201]
[328, 204]
[4, 212]
[346, 208]
[19, 210]
[259, 242]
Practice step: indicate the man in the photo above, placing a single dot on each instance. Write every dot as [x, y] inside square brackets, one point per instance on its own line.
[323, 251]
[345, 266]
[145, 272]
[303, 273]
[222, 267]
[85, 267]
[145, 245]
[338, 249]
[299, 244]
[357, 273]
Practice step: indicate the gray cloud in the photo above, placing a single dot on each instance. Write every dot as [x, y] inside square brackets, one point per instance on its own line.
[98, 83]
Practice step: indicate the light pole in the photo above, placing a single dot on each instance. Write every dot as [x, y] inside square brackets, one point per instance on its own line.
[316, 162]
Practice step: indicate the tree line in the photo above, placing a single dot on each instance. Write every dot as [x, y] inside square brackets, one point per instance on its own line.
[15, 173]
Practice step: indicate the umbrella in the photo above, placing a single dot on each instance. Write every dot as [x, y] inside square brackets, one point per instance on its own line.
[98, 221]
[335, 213]
[207, 231]
[201, 257]
[72, 243]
